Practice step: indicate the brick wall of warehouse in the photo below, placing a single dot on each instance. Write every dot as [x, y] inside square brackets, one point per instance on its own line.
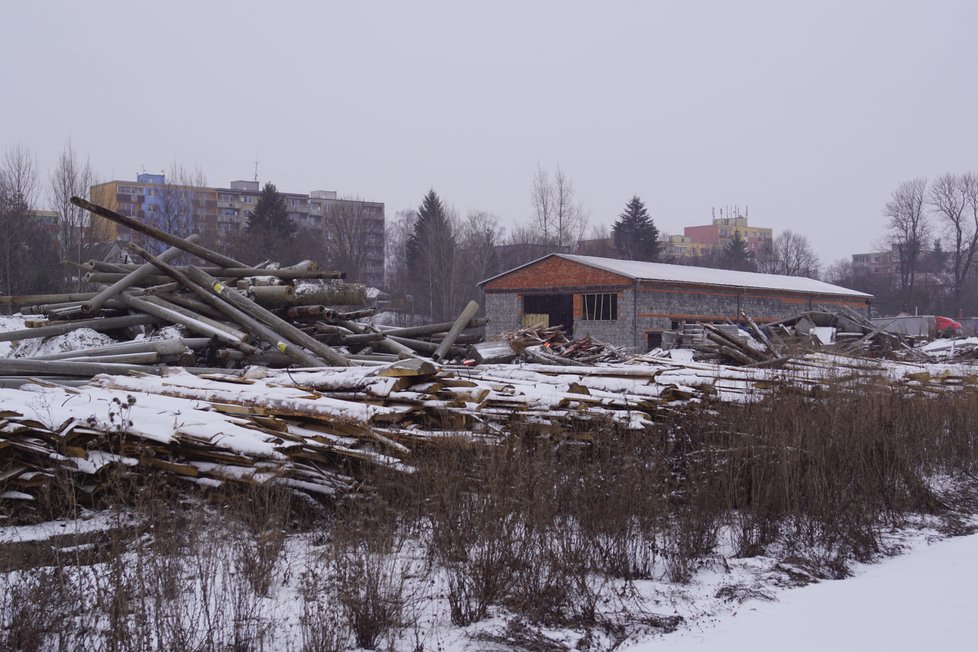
[550, 274]
[661, 304]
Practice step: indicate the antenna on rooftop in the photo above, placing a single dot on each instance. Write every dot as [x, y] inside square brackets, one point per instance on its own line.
[256, 168]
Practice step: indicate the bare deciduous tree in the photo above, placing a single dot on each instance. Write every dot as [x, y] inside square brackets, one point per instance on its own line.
[347, 239]
[27, 251]
[951, 197]
[179, 203]
[479, 236]
[71, 177]
[908, 230]
[558, 218]
[18, 175]
[790, 254]
[398, 230]
[839, 273]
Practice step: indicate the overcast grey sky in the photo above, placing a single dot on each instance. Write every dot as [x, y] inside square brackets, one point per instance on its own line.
[809, 113]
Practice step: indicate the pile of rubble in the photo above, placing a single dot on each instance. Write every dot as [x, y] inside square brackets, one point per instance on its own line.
[545, 345]
[845, 333]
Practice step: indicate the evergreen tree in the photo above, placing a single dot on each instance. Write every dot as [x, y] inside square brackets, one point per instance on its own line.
[635, 235]
[430, 253]
[271, 216]
[270, 232]
[736, 255]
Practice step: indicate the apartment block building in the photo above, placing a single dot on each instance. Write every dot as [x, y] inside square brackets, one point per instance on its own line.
[877, 263]
[151, 199]
[718, 234]
[216, 213]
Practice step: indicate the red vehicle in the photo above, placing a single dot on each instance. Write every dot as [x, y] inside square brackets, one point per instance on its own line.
[946, 327]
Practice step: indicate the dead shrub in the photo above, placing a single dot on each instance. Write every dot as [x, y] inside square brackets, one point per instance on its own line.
[370, 579]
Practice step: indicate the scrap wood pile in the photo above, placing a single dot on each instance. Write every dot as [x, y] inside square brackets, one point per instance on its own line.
[547, 345]
[958, 349]
[233, 315]
[312, 431]
[845, 333]
[316, 431]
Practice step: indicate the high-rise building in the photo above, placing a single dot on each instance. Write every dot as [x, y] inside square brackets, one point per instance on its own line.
[216, 213]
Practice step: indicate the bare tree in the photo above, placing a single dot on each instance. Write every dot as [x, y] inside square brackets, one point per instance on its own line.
[18, 175]
[479, 237]
[790, 254]
[179, 203]
[71, 177]
[558, 218]
[27, 250]
[347, 237]
[908, 230]
[839, 273]
[599, 242]
[398, 230]
[951, 197]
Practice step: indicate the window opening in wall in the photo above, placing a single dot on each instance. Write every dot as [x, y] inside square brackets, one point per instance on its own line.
[600, 307]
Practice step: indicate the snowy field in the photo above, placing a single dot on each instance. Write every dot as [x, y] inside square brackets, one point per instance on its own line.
[923, 600]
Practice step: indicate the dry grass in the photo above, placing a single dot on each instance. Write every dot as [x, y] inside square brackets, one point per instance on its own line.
[546, 529]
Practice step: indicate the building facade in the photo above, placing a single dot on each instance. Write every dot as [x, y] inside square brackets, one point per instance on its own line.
[877, 263]
[216, 213]
[630, 303]
[717, 235]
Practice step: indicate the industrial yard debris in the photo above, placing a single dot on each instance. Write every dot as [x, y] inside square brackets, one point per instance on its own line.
[204, 397]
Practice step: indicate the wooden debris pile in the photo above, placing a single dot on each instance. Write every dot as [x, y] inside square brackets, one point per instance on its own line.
[315, 431]
[235, 315]
[953, 350]
[550, 345]
[846, 333]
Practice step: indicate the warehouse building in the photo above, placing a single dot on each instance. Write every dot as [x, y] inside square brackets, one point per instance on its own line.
[631, 303]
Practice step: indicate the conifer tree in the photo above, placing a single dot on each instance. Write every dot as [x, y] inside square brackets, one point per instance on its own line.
[635, 235]
[736, 255]
[430, 253]
[270, 233]
[271, 216]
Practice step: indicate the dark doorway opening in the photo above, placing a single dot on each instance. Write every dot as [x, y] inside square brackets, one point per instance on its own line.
[655, 340]
[559, 308]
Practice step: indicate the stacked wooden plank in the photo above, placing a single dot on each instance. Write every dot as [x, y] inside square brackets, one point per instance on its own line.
[315, 430]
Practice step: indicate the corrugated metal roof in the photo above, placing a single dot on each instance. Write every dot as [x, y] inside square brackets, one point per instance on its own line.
[638, 270]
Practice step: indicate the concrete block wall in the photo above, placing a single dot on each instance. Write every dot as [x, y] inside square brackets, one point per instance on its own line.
[504, 311]
[619, 332]
[660, 305]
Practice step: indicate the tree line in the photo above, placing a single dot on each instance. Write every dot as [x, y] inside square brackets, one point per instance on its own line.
[434, 258]
[930, 246]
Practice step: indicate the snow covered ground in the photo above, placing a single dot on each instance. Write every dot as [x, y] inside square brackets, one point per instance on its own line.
[924, 600]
